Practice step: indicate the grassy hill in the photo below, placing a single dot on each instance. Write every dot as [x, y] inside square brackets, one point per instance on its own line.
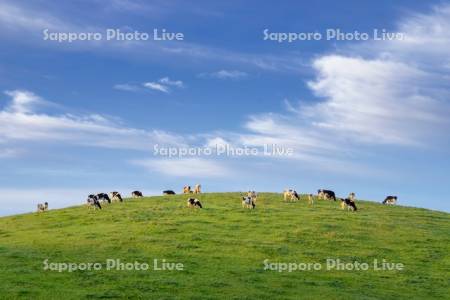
[223, 248]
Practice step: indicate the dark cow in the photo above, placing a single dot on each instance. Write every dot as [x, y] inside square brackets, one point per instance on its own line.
[349, 203]
[192, 202]
[168, 192]
[326, 194]
[102, 197]
[136, 194]
[115, 196]
[92, 201]
[390, 200]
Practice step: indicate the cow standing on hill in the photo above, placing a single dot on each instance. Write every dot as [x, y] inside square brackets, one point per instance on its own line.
[136, 194]
[349, 202]
[253, 195]
[102, 197]
[42, 207]
[192, 202]
[326, 194]
[248, 202]
[92, 201]
[115, 196]
[390, 200]
[291, 194]
[187, 189]
[197, 189]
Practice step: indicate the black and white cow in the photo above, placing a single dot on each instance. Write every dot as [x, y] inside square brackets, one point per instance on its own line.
[248, 202]
[193, 202]
[168, 192]
[92, 201]
[102, 197]
[115, 196]
[326, 194]
[291, 194]
[349, 203]
[42, 207]
[136, 194]
[390, 200]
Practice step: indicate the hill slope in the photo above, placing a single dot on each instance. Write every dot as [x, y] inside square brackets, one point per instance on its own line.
[223, 248]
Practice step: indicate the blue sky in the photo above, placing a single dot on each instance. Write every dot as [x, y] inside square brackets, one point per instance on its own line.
[369, 117]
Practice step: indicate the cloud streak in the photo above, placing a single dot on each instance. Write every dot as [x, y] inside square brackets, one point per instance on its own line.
[19, 122]
[225, 74]
[28, 22]
[194, 167]
[164, 85]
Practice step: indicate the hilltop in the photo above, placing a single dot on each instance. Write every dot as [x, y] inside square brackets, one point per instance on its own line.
[224, 250]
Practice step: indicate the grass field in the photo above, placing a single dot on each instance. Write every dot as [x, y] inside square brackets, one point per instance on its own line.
[222, 248]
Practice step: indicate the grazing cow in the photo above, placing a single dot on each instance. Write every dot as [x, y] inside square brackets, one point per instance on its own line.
[253, 195]
[310, 199]
[197, 189]
[187, 189]
[92, 201]
[248, 202]
[136, 194]
[326, 194]
[168, 192]
[291, 194]
[102, 197]
[115, 196]
[192, 202]
[349, 203]
[42, 207]
[390, 200]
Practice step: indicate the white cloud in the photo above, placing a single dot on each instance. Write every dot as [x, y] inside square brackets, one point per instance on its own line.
[225, 74]
[367, 96]
[126, 87]
[186, 167]
[163, 85]
[156, 86]
[23, 101]
[167, 81]
[25, 22]
[376, 93]
[14, 17]
[18, 122]
[375, 101]
[215, 142]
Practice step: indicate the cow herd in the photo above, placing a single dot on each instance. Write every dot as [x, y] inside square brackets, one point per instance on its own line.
[291, 195]
[322, 194]
[95, 201]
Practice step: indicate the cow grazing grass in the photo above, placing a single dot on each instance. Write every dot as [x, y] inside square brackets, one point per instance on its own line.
[222, 248]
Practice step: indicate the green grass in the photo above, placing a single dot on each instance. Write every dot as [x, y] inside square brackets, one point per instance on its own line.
[223, 248]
